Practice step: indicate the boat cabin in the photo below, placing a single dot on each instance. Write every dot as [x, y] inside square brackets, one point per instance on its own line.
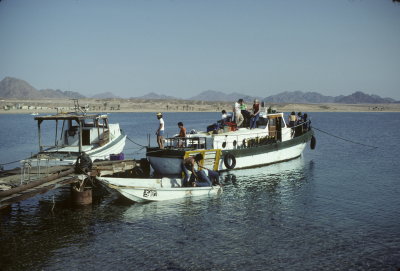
[76, 132]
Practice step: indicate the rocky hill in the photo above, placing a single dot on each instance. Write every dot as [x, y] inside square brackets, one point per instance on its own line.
[212, 95]
[299, 97]
[314, 97]
[155, 96]
[362, 98]
[105, 95]
[16, 88]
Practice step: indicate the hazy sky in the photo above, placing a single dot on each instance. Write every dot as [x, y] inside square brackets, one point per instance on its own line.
[183, 47]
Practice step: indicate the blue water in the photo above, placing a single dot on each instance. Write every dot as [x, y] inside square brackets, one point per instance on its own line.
[335, 208]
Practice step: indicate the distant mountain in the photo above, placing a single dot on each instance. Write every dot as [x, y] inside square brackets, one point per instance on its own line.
[16, 88]
[155, 96]
[314, 97]
[362, 98]
[213, 95]
[106, 95]
[299, 97]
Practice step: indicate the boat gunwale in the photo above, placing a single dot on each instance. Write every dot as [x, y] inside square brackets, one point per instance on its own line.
[241, 152]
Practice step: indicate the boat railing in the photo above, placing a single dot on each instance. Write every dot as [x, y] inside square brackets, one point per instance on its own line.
[300, 128]
[185, 142]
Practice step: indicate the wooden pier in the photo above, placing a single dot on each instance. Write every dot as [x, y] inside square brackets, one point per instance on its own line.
[20, 184]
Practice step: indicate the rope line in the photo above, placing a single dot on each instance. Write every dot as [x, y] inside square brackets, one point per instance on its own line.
[345, 139]
[134, 142]
[11, 162]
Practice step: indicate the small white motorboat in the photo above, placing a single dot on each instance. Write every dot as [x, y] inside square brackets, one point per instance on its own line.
[155, 189]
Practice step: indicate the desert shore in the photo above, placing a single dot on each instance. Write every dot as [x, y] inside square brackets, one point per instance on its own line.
[19, 106]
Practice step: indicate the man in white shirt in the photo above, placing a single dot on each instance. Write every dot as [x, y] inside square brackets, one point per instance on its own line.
[160, 131]
[238, 114]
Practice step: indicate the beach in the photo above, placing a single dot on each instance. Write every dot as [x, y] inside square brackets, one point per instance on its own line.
[19, 106]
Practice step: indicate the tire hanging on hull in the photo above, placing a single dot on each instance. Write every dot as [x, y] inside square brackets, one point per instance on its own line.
[313, 142]
[229, 161]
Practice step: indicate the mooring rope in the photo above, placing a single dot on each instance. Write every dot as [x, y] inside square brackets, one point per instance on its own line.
[11, 162]
[134, 142]
[345, 139]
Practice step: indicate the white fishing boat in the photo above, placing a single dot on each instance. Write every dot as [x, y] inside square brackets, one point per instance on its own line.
[271, 142]
[155, 189]
[75, 133]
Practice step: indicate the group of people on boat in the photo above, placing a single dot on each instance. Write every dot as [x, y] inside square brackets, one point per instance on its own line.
[245, 118]
[299, 123]
[200, 177]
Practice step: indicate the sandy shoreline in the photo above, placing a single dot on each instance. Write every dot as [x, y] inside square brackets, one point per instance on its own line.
[14, 106]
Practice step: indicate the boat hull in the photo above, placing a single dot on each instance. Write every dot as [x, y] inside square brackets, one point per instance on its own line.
[168, 162]
[52, 158]
[161, 189]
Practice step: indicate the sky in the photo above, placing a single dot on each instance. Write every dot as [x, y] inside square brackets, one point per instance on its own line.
[183, 47]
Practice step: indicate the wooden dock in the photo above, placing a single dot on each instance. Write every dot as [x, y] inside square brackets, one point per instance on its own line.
[17, 185]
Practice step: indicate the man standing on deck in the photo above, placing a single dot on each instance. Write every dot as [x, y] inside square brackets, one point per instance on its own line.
[238, 113]
[182, 135]
[160, 131]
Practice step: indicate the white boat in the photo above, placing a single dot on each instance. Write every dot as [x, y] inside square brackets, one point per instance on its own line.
[76, 133]
[34, 113]
[155, 189]
[271, 142]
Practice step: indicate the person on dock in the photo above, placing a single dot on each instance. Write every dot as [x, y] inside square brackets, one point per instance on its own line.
[160, 131]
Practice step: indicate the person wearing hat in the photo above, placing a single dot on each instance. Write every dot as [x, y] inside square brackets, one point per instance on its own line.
[255, 115]
[160, 131]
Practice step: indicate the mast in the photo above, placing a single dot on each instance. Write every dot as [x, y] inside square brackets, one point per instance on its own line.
[80, 135]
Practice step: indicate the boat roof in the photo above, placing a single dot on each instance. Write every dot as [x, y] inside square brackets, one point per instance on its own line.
[277, 114]
[71, 116]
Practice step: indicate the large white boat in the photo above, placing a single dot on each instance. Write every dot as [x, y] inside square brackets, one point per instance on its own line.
[74, 134]
[271, 142]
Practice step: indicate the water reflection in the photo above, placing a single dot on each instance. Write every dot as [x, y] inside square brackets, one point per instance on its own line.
[276, 184]
[277, 179]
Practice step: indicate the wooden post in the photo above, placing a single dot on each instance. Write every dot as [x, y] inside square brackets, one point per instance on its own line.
[39, 135]
[55, 140]
[80, 135]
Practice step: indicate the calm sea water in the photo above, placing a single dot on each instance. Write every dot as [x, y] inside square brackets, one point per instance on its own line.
[335, 208]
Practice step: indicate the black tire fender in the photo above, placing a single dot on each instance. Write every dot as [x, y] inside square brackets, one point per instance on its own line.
[229, 160]
[313, 142]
